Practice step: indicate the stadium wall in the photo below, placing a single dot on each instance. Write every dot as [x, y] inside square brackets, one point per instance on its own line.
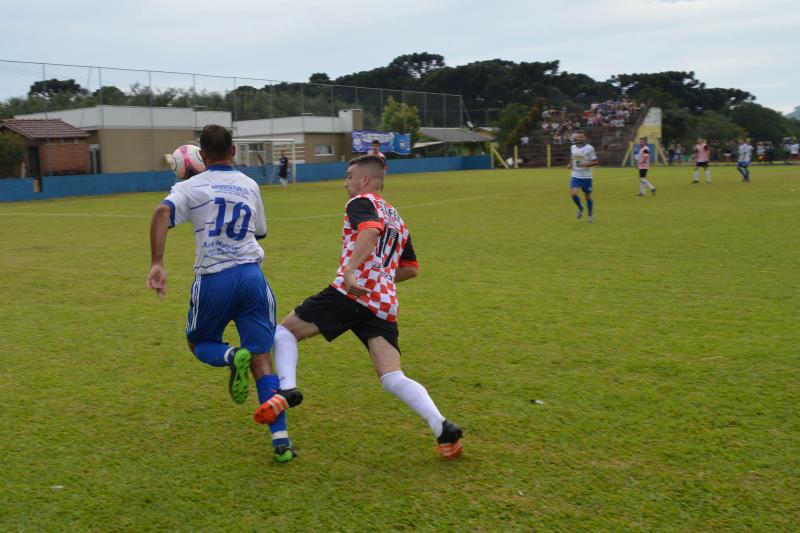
[21, 189]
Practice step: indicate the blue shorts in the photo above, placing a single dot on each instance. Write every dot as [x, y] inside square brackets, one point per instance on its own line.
[584, 184]
[240, 294]
[743, 164]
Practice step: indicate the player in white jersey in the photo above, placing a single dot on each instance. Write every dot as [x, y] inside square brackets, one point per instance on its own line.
[582, 158]
[225, 209]
[376, 255]
[745, 155]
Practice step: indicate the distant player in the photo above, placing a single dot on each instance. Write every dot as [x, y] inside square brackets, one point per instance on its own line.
[225, 209]
[583, 157]
[702, 154]
[643, 164]
[375, 150]
[283, 170]
[745, 155]
[376, 255]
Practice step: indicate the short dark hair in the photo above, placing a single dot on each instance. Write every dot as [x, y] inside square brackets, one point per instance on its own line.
[216, 142]
[581, 131]
[378, 163]
[376, 141]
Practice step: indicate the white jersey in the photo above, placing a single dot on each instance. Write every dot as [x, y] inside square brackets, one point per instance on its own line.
[745, 152]
[226, 211]
[579, 155]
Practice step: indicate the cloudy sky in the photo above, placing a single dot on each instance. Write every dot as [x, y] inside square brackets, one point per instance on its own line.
[751, 45]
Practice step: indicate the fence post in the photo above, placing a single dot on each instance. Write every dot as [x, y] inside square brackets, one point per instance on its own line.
[549, 157]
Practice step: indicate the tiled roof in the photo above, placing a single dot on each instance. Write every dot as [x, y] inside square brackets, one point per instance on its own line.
[51, 128]
[454, 135]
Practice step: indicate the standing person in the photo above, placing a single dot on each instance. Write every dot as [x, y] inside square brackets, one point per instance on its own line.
[760, 153]
[582, 158]
[795, 151]
[743, 165]
[283, 169]
[225, 208]
[376, 254]
[701, 157]
[375, 150]
[643, 164]
[671, 154]
[679, 153]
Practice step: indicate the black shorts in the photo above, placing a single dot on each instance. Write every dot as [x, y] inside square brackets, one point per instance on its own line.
[334, 313]
[282, 173]
[701, 164]
[642, 172]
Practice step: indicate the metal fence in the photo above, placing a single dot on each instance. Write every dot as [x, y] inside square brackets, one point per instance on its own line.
[27, 87]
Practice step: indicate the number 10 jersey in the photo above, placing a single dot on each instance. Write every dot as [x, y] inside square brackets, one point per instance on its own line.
[226, 211]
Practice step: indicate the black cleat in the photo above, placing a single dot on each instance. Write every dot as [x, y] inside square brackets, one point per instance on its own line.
[448, 444]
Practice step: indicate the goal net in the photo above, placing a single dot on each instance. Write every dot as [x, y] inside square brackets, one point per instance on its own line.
[260, 158]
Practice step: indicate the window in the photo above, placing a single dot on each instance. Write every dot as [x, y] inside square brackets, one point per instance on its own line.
[323, 149]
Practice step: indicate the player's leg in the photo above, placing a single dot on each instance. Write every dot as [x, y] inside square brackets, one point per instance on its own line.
[326, 312]
[209, 314]
[708, 173]
[747, 172]
[587, 192]
[575, 198]
[386, 360]
[643, 182]
[255, 322]
[694, 176]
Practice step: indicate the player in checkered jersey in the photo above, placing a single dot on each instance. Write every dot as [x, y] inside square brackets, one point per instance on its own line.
[376, 254]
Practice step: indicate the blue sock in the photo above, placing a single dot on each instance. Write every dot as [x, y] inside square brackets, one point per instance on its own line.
[590, 205]
[267, 386]
[211, 353]
[577, 201]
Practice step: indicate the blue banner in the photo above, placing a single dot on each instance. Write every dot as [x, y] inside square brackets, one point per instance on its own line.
[391, 142]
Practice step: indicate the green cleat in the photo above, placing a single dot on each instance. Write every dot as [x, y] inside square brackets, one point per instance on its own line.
[239, 381]
[284, 454]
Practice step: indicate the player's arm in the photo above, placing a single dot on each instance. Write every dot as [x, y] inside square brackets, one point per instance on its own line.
[159, 225]
[366, 242]
[587, 164]
[364, 218]
[408, 267]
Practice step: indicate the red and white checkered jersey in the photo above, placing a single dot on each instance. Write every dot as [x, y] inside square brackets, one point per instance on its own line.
[701, 153]
[644, 158]
[394, 249]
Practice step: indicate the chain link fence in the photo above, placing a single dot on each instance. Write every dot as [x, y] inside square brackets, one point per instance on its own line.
[42, 89]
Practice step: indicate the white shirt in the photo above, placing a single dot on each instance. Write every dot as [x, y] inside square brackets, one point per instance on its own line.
[795, 149]
[226, 211]
[745, 152]
[579, 155]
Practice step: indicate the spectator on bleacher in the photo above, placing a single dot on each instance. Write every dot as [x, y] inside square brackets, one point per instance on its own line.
[671, 154]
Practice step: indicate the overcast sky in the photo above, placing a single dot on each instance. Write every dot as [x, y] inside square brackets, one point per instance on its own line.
[750, 45]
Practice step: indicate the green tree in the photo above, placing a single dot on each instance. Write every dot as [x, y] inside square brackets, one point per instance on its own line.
[509, 116]
[400, 117]
[762, 123]
[717, 127]
[529, 122]
[12, 150]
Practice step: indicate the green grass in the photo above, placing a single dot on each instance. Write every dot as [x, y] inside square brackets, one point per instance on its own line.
[662, 339]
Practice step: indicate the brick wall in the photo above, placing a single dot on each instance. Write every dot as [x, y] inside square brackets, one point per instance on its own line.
[67, 158]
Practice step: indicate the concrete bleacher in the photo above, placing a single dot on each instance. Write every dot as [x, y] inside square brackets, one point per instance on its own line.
[611, 143]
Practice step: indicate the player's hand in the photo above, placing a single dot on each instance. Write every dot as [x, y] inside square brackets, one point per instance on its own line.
[351, 284]
[157, 280]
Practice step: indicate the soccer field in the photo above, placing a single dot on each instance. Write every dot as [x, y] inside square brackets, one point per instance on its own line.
[662, 341]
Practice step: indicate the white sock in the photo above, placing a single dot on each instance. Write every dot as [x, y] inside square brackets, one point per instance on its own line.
[695, 174]
[708, 175]
[642, 181]
[285, 345]
[647, 183]
[415, 396]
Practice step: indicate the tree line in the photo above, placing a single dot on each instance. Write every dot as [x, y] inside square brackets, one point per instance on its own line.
[498, 90]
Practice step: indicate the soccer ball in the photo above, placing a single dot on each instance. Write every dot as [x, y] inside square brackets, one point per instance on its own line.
[186, 162]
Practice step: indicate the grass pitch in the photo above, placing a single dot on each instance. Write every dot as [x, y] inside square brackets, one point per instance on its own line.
[662, 340]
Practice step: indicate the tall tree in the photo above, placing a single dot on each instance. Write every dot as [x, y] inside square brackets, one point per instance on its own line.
[400, 117]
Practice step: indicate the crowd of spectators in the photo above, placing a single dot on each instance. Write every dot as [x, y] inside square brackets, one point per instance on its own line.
[611, 114]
